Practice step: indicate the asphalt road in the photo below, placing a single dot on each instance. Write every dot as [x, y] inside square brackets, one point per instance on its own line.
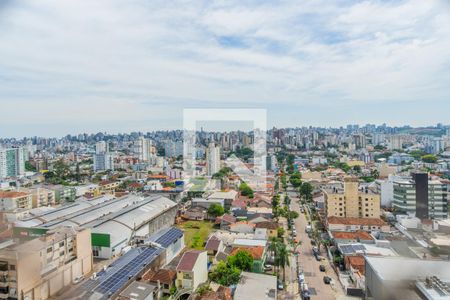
[308, 263]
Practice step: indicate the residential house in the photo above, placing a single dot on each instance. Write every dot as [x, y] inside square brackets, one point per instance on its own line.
[272, 228]
[165, 277]
[225, 221]
[354, 224]
[213, 246]
[194, 213]
[242, 227]
[192, 270]
[139, 290]
[257, 252]
[346, 237]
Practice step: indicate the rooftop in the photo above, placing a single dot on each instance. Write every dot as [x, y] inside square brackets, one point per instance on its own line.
[356, 221]
[188, 260]
[12, 194]
[138, 290]
[357, 235]
[253, 286]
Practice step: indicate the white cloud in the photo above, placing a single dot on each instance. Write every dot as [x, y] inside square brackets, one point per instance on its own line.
[189, 53]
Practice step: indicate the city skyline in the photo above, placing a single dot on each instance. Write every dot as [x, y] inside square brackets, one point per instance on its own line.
[124, 67]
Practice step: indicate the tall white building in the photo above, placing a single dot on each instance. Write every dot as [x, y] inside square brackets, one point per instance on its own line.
[212, 159]
[12, 162]
[396, 142]
[101, 147]
[142, 148]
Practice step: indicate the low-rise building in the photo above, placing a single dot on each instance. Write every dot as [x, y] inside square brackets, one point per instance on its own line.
[192, 270]
[354, 224]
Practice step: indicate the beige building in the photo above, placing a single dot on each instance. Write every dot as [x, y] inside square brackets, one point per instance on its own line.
[41, 196]
[12, 201]
[192, 270]
[352, 201]
[41, 267]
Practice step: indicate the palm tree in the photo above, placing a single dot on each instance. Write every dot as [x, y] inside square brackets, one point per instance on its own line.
[273, 248]
[283, 259]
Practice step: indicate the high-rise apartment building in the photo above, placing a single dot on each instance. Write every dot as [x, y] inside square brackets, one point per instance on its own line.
[142, 148]
[12, 162]
[101, 147]
[352, 201]
[212, 159]
[173, 148]
[104, 161]
[419, 196]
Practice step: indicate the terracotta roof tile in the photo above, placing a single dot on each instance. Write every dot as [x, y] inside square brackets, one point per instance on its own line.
[356, 221]
[256, 252]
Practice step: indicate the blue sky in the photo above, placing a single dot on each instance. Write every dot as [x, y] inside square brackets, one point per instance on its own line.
[118, 66]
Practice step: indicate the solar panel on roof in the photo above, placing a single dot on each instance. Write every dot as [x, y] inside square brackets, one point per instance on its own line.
[127, 271]
[169, 237]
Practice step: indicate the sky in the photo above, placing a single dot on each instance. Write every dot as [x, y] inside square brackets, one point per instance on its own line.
[73, 66]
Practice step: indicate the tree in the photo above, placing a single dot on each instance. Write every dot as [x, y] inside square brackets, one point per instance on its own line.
[306, 190]
[246, 190]
[242, 260]
[296, 179]
[225, 274]
[280, 232]
[282, 258]
[216, 210]
[293, 215]
[429, 158]
[29, 167]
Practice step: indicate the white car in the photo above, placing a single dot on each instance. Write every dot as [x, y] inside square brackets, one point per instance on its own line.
[301, 278]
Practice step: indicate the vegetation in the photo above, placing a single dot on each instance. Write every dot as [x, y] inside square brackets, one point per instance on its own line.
[417, 154]
[296, 179]
[242, 260]
[429, 158]
[196, 233]
[224, 172]
[281, 254]
[243, 153]
[246, 190]
[29, 167]
[216, 210]
[343, 166]
[225, 274]
[305, 191]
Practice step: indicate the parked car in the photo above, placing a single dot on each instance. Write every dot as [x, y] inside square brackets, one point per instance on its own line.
[267, 268]
[280, 285]
[322, 268]
[301, 278]
[313, 242]
[326, 279]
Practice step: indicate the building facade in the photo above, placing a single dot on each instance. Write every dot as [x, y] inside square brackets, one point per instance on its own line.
[12, 162]
[352, 202]
[421, 197]
[39, 268]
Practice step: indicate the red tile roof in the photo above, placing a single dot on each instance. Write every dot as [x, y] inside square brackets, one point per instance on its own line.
[356, 221]
[12, 194]
[357, 262]
[256, 252]
[162, 275]
[188, 260]
[345, 235]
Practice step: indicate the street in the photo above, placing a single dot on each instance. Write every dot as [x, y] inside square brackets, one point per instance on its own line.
[309, 265]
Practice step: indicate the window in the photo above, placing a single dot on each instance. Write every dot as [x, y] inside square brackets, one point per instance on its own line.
[61, 244]
[12, 267]
[50, 249]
